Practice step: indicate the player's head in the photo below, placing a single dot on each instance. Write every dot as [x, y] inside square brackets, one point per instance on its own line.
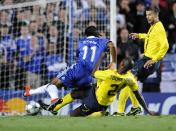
[125, 65]
[24, 29]
[91, 31]
[152, 14]
[4, 29]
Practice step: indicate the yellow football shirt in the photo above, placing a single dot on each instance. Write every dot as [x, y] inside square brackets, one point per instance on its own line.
[156, 44]
[111, 83]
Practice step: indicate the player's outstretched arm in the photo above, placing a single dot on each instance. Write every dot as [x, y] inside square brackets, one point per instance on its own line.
[134, 36]
[137, 36]
[143, 103]
[113, 53]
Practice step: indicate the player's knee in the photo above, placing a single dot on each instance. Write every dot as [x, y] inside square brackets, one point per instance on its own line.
[74, 95]
[77, 94]
[77, 112]
[57, 82]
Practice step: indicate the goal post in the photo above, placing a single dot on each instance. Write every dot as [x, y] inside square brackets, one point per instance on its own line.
[38, 38]
[113, 22]
[113, 37]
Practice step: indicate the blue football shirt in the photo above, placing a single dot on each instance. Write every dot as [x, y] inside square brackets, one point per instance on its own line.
[90, 50]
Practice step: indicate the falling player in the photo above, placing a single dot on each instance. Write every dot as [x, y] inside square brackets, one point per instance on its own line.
[78, 76]
[105, 93]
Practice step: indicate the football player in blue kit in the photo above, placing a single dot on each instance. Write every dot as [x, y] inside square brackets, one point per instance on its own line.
[79, 75]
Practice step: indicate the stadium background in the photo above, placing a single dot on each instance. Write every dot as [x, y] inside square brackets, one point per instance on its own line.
[38, 38]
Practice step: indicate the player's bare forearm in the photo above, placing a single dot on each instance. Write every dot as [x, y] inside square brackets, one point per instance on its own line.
[149, 63]
[134, 36]
[143, 104]
[113, 51]
[141, 101]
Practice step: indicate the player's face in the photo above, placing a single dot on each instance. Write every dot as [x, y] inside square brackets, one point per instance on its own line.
[24, 30]
[121, 66]
[124, 34]
[4, 31]
[150, 15]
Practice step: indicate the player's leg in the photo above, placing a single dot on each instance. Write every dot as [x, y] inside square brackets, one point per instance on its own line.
[77, 112]
[137, 71]
[123, 96]
[89, 106]
[97, 114]
[134, 101]
[142, 73]
[70, 97]
[54, 94]
[45, 106]
[82, 110]
[86, 108]
[98, 110]
[65, 100]
[82, 79]
[67, 77]
[63, 78]
[136, 109]
[50, 88]
[124, 93]
[138, 67]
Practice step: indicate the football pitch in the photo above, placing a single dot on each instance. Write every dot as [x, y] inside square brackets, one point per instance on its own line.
[57, 123]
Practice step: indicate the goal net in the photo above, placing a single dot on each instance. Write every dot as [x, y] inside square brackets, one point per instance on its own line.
[38, 38]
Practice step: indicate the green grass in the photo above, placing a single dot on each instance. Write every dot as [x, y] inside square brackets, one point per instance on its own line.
[39, 123]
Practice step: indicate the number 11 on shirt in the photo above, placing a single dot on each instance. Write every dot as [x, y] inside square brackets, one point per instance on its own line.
[93, 50]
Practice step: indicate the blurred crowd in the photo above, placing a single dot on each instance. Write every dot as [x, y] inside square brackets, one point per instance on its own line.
[34, 40]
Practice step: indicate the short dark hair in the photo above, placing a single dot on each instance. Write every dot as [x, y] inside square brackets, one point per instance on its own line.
[4, 26]
[91, 31]
[24, 24]
[128, 64]
[140, 2]
[155, 9]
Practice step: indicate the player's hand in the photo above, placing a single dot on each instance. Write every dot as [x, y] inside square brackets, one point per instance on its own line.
[134, 36]
[148, 64]
[112, 66]
[153, 113]
[141, 55]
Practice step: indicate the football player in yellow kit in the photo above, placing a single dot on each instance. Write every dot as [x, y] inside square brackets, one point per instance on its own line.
[110, 83]
[155, 48]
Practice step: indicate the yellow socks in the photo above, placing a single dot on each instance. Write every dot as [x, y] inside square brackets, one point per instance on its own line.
[134, 101]
[123, 96]
[97, 114]
[66, 100]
